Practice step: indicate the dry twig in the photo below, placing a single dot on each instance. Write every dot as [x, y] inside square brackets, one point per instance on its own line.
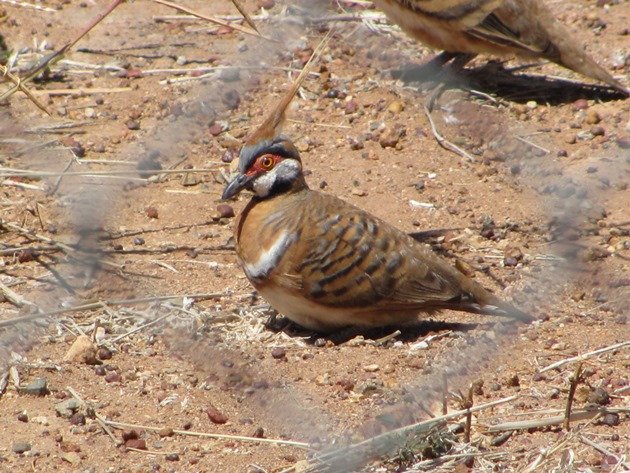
[576, 416]
[50, 59]
[558, 364]
[443, 142]
[575, 380]
[4, 71]
[355, 455]
[604, 450]
[210, 18]
[291, 443]
[99, 418]
[102, 304]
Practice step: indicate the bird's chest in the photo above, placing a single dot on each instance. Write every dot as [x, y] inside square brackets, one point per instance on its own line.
[264, 242]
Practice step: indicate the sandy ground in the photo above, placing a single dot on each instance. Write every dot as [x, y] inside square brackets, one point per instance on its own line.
[538, 212]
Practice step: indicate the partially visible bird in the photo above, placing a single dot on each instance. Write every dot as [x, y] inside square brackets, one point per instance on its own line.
[326, 264]
[465, 28]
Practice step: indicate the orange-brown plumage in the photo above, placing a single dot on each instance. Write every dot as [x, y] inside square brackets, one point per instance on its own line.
[346, 267]
[326, 264]
[525, 28]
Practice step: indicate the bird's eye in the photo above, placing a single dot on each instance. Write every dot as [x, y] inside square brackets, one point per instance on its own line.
[266, 162]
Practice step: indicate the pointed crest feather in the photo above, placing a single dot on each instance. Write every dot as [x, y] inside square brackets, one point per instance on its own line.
[273, 123]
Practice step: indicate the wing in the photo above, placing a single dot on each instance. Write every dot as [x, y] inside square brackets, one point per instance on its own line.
[352, 259]
[460, 14]
[519, 25]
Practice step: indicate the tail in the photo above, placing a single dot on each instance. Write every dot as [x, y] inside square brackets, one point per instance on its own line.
[475, 299]
[503, 309]
[566, 51]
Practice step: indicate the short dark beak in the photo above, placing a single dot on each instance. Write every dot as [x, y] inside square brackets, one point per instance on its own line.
[239, 183]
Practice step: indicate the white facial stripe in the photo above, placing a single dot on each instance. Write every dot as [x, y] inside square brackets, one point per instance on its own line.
[270, 258]
[286, 170]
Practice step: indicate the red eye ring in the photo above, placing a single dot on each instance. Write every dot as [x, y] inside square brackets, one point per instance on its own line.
[266, 162]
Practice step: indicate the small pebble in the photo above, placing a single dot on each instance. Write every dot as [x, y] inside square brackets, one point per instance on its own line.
[592, 117]
[215, 129]
[133, 124]
[152, 212]
[599, 396]
[82, 351]
[611, 419]
[172, 457]
[67, 408]
[580, 104]
[396, 107]
[104, 353]
[140, 444]
[513, 381]
[113, 377]
[623, 142]
[216, 416]
[278, 353]
[21, 447]
[37, 387]
[231, 99]
[77, 419]
[138, 241]
[166, 432]
[351, 107]
[22, 417]
[371, 368]
[230, 74]
[130, 434]
[597, 130]
[225, 210]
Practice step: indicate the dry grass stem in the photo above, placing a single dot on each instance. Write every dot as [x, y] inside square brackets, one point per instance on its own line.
[12, 296]
[103, 304]
[605, 451]
[4, 71]
[443, 142]
[575, 380]
[138, 329]
[576, 416]
[27, 5]
[532, 144]
[148, 452]
[558, 364]
[290, 443]
[83, 91]
[9, 172]
[101, 421]
[50, 59]
[63, 246]
[211, 19]
[467, 404]
[384, 443]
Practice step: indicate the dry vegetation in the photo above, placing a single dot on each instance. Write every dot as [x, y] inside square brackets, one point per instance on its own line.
[131, 341]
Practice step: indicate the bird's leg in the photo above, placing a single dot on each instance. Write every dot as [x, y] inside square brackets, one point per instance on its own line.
[459, 60]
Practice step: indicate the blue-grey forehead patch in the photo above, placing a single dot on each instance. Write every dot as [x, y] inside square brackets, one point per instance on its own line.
[276, 145]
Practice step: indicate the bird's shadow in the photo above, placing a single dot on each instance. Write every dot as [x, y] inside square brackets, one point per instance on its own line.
[408, 333]
[509, 84]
